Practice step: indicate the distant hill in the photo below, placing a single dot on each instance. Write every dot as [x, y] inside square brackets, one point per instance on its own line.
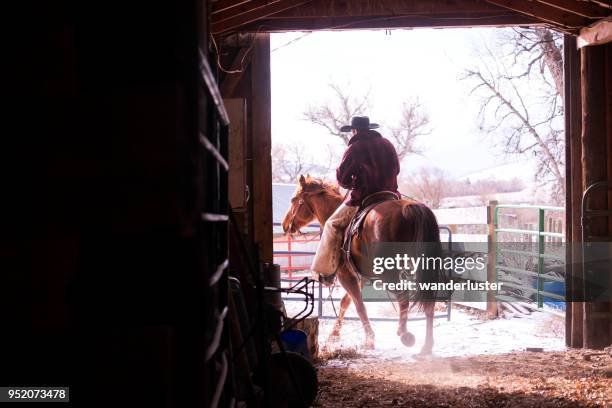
[522, 170]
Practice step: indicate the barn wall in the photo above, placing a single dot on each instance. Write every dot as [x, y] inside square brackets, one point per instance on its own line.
[100, 241]
[589, 132]
[253, 85]
[573, 126]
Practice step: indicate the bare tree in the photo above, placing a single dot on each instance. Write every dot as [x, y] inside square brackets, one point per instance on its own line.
[522, 104]
[427, 185]
[334, 114]
[413, 124]
[289, 161]
[543, 49]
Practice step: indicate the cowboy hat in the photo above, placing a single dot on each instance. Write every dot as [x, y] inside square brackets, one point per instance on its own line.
[359, 123]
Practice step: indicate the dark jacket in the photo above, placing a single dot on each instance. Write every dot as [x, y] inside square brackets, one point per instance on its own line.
[369, 165]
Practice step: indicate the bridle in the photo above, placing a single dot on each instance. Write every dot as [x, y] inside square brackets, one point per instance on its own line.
[294, 211]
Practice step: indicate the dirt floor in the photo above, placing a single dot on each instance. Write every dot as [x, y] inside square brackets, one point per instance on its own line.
[476, 363]
[519, 379]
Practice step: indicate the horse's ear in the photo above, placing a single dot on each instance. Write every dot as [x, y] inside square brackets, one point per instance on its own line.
[302, 181]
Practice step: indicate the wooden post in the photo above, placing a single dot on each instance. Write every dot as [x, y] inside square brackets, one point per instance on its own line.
[551, 228]
[261, 118]
[608, 114]
[574, 189]
[491, 259]
[289, 257]
[594, 163]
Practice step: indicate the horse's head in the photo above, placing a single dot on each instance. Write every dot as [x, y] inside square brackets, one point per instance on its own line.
[306, 202]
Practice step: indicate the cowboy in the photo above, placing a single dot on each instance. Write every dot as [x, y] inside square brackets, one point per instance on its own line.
[369, 165]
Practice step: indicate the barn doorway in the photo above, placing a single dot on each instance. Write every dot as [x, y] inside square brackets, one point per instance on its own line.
[319, 16]
[477, 119]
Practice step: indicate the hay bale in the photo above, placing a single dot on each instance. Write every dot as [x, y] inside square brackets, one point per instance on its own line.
[310, 326]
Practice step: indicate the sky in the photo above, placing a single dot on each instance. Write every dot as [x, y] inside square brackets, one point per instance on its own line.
[395, 66]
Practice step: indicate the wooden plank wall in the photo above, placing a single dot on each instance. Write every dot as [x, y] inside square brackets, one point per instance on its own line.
[573, 127]
[101, 282]
[261, 107]
[594, 70]
[251, 55]
[588, 112]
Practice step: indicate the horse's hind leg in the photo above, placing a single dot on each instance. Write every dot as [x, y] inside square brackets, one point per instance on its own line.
[429, 341]
[344, 304]
[352, 285]
[406, 337]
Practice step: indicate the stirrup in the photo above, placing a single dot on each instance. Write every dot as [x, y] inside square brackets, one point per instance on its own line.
[329, 279]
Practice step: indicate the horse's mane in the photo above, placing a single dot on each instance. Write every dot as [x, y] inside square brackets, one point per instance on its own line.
[315, 184]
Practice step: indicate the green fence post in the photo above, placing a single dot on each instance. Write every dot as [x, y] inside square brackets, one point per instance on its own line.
[541, 237]
[492, 221]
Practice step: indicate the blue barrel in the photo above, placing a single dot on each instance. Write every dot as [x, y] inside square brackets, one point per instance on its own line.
[558, 288]
[297, 341]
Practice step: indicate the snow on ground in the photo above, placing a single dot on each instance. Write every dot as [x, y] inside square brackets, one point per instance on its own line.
[463, 335]
[466, 334]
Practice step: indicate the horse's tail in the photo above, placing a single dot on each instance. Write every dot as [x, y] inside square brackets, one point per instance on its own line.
[421, 221]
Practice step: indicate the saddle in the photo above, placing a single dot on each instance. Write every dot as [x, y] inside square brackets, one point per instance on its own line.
[356, 224]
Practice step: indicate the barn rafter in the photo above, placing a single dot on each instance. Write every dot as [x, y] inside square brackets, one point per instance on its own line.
[581, 8]
[568, 16]
[245, 13]
[562, 19]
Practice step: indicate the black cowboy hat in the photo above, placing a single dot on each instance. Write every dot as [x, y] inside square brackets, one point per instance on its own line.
[359, 123]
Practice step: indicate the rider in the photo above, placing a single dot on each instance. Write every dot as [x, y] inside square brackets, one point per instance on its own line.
[369, 165]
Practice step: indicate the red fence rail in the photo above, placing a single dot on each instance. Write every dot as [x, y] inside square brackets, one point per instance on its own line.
[291, 253]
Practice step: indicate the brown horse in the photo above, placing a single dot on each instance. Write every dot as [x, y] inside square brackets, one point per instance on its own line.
[390, 221]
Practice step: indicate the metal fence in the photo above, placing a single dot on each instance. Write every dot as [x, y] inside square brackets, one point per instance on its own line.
[290, 273]
[542, 237]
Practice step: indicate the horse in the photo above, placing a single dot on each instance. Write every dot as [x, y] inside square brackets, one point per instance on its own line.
[390, 221]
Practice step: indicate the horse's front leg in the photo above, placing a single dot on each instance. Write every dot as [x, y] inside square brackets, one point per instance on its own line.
[344, 304]
[429, 341]
[352, 285]
[406, 337]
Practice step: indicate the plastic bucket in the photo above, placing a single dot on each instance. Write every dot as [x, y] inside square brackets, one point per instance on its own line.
[297, 341]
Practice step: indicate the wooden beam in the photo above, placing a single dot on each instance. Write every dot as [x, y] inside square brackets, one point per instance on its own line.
[390, 8]
[597, 34]
[602, 3]
[581, 8]
[574, 189]
[594, 165]
[241, 9]
[222, 5]
[608, 101]
[261, 142]
[369, 14]
[543, 12]
[348, 23]
[231, 79]
[250, 12]
[236, 178]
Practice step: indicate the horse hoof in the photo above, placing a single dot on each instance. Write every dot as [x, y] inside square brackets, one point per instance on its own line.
[333, 339]
[407, 339]
[425, 352]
